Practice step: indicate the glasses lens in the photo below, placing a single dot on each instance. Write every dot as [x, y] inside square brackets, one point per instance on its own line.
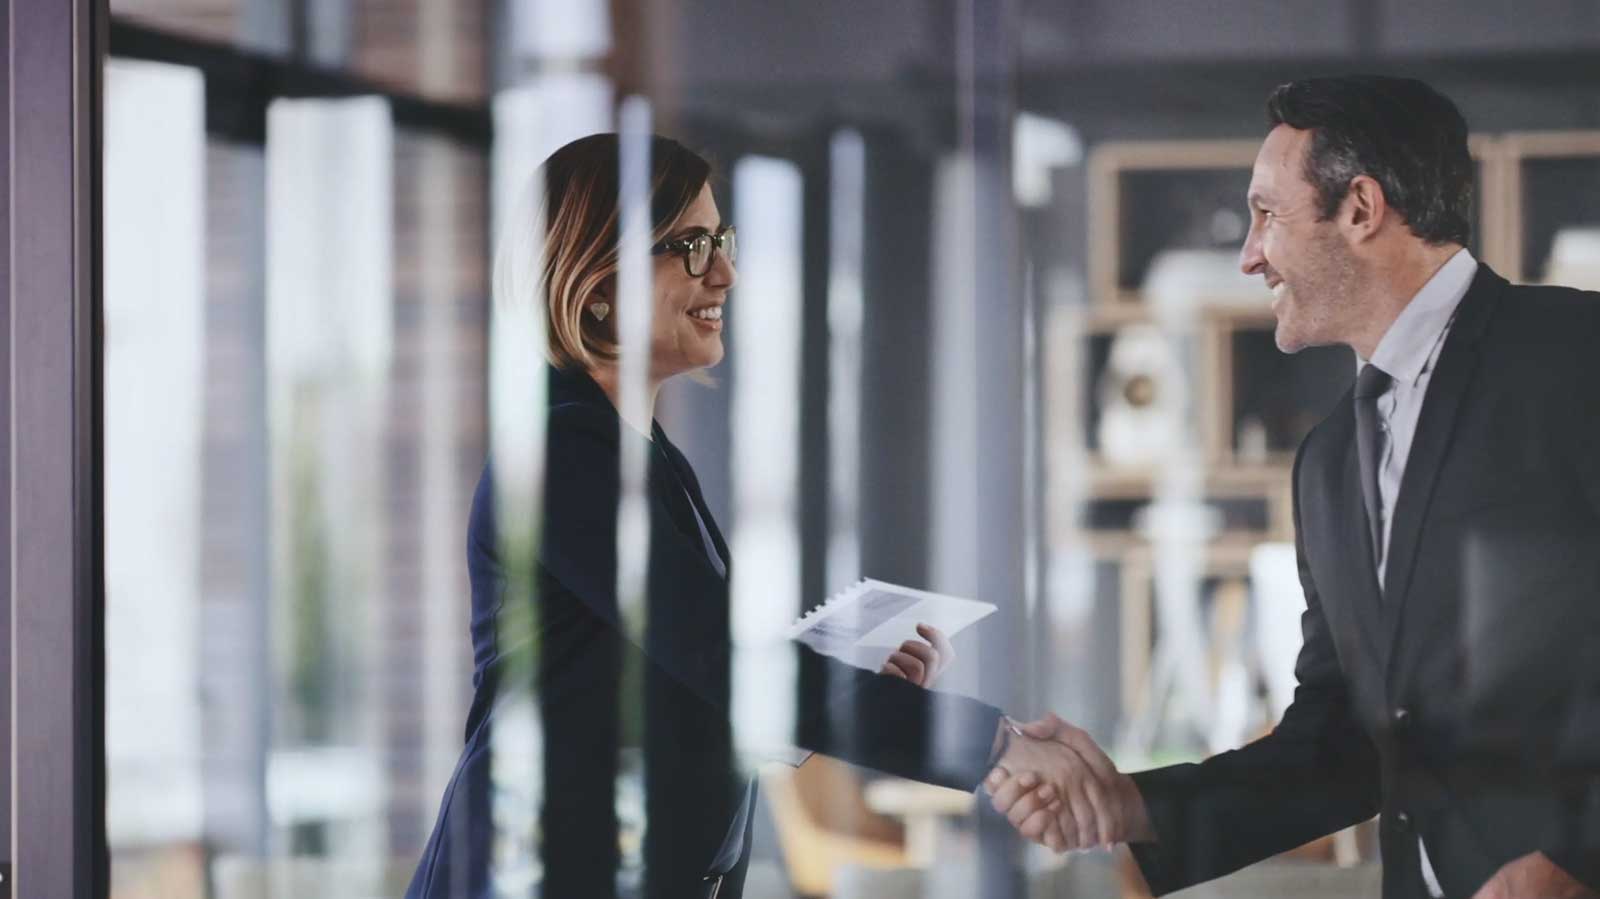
[700, 255]
[730, 245]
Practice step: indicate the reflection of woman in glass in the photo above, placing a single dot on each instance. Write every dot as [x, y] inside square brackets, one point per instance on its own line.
[696, 804]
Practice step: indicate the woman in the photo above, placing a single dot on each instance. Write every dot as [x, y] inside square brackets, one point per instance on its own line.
[696, 804]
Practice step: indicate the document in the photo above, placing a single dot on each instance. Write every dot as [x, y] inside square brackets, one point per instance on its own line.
[862, 624]
[865, 622]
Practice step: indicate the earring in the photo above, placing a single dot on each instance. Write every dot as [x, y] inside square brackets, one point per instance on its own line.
[600, 310]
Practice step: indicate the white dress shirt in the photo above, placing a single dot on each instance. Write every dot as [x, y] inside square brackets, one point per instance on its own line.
[1408, 353]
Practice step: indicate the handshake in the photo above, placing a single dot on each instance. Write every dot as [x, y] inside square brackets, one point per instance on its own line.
[1051, 781]
[1058, 789]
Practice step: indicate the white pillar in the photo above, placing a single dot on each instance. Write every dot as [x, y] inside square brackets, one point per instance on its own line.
[155, 246]
[330, 226]
[764, 348]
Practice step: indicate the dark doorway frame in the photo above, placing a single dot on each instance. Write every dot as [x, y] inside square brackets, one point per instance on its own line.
[54, 642]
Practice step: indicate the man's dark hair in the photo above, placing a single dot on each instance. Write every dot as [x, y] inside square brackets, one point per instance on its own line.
[1399, 131]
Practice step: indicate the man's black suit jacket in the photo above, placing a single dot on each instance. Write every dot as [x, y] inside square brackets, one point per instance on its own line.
[1460, 701]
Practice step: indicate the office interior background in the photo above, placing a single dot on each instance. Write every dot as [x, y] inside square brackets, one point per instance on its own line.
[989, 339]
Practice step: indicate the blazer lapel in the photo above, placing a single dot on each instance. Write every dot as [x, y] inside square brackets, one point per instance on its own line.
[716, 534]
[711, 525]
[670, 479]
[1435, 427]
[682, 493]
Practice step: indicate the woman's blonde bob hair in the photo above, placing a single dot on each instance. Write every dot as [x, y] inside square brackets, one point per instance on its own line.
[580, 188]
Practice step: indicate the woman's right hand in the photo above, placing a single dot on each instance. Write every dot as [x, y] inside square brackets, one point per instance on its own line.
[919, 662]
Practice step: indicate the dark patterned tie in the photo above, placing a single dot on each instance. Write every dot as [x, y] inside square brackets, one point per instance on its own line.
[1370, 384]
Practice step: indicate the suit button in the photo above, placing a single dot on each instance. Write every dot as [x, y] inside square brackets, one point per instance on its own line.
[1402, 820]
[1402, 718]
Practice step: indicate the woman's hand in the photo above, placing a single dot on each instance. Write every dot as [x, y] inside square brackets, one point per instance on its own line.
[919, 662]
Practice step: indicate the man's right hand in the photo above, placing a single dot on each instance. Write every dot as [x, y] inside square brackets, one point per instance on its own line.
[1058, 788]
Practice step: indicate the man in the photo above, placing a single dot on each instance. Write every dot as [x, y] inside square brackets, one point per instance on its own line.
[1446, 515]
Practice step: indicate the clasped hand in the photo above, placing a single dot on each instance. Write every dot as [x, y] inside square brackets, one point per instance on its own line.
[1058, 789]
[1052, 783]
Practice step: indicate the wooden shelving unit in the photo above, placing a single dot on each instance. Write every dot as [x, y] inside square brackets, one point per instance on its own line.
[1109, 164]
[1522, 155]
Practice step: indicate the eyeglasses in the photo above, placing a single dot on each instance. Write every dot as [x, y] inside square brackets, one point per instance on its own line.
[699, 250]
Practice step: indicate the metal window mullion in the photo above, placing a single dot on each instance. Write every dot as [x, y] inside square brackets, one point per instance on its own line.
[57, 772]
[7, 850]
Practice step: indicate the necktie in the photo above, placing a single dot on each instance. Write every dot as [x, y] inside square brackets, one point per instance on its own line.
[1370, 384]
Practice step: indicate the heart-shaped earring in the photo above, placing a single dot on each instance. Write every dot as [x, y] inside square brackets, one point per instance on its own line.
[600, 310]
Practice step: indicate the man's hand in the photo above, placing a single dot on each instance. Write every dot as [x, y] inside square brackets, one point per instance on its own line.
[1058, 789]
[1533, 876]
[919, 662]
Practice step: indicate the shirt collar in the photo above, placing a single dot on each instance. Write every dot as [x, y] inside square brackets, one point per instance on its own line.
[1404, 350]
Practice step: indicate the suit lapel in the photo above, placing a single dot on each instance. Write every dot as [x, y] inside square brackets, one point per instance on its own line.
[1435, 426]
[683, 496]
[670, 479]
[711, 523]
